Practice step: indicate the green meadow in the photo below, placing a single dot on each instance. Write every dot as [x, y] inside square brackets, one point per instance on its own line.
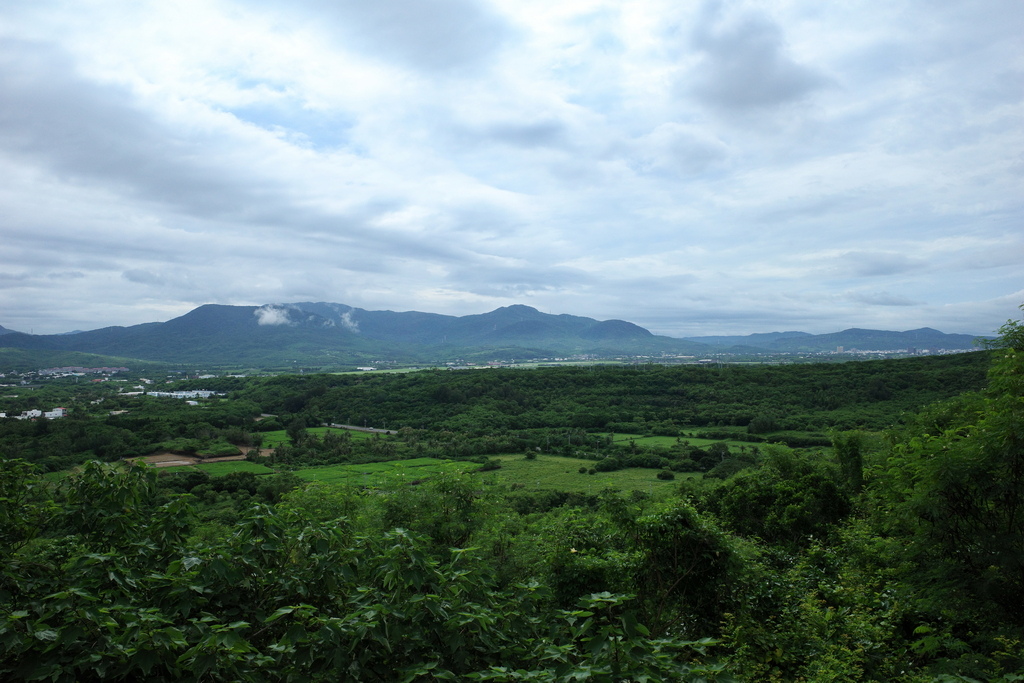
[218, 469]
[383, 473]
[552, 472]
[669, 441]
[544, 473]
[276, 438]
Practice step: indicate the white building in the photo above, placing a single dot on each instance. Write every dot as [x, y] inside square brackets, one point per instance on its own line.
[197, 393]
[54, 414]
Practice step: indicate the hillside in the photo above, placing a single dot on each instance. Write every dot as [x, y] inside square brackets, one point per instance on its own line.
[326, 334]
[319, 334]
[850, 339]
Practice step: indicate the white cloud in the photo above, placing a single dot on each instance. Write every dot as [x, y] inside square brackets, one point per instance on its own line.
[728, 167]
[745, 62]
[272, 315]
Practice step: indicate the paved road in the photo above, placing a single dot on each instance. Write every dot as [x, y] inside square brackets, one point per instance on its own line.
[373, 430]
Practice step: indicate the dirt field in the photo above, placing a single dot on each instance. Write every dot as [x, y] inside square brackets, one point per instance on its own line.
[168, 459]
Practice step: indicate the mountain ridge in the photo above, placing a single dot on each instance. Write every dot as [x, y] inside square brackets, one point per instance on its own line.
[850, 339]
[333, 334]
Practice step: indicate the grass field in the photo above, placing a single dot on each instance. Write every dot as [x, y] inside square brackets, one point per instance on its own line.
[734, 446]
[217, 469]
[546, 472]
[280, 436]
[276, 438]
[382, 473]
[669, 441]
[550, 472]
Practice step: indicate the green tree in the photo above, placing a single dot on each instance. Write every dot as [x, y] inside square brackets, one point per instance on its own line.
[25, 507]
[685, 565]
[786, 501]
[960, 488]
[292, 596]
[849, 450]
[296, 431]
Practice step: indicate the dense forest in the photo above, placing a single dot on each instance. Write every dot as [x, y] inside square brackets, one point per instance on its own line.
[804, 397]
[849, 522]
[484, 412]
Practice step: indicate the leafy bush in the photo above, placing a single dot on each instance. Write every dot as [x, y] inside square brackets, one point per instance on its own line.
[291, 595]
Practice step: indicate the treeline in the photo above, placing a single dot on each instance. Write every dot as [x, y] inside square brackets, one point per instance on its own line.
[473, 414]
[140, 426]
[651, 399]
[338, 446]
[326, 585]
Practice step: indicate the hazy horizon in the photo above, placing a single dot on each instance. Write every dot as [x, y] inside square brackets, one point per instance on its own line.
[736, 334]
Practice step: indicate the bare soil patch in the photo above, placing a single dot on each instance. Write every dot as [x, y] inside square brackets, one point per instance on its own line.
[169, 459]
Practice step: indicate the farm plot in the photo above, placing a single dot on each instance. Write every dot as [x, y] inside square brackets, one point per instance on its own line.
[381, 473]
[543, 473]
[549, 472]
[669, 441]
[276, 438]
[217, 469]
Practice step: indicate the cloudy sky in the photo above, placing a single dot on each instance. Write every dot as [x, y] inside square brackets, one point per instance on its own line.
[694, 167]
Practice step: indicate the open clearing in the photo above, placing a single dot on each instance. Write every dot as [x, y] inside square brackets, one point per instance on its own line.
[384, 473]
[217, 469]
[552, 472]
[280, 436]
[544, 473]
[669, 441]
[169, 459]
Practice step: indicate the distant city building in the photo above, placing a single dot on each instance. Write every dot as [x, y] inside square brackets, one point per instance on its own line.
[76, 370]
[34, 414]
[194, 394]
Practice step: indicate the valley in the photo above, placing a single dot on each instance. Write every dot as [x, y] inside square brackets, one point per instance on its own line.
[712, 521]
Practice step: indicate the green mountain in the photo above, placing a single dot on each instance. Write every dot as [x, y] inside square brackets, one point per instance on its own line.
[331, 335]
[327, 334]
[851, 339]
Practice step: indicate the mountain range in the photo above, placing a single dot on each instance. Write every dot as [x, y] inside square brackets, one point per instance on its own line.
[331, 334]
[850, 339]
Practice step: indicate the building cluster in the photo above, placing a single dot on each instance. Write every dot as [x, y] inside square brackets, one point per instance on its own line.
[54, 414]
[193, 394]
[76, 370]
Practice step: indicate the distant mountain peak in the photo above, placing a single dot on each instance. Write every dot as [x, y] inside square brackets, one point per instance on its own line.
[515, 311]
[330, 334]
[850, 338]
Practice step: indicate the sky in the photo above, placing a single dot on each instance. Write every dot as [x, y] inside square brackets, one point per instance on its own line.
[696, 168]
